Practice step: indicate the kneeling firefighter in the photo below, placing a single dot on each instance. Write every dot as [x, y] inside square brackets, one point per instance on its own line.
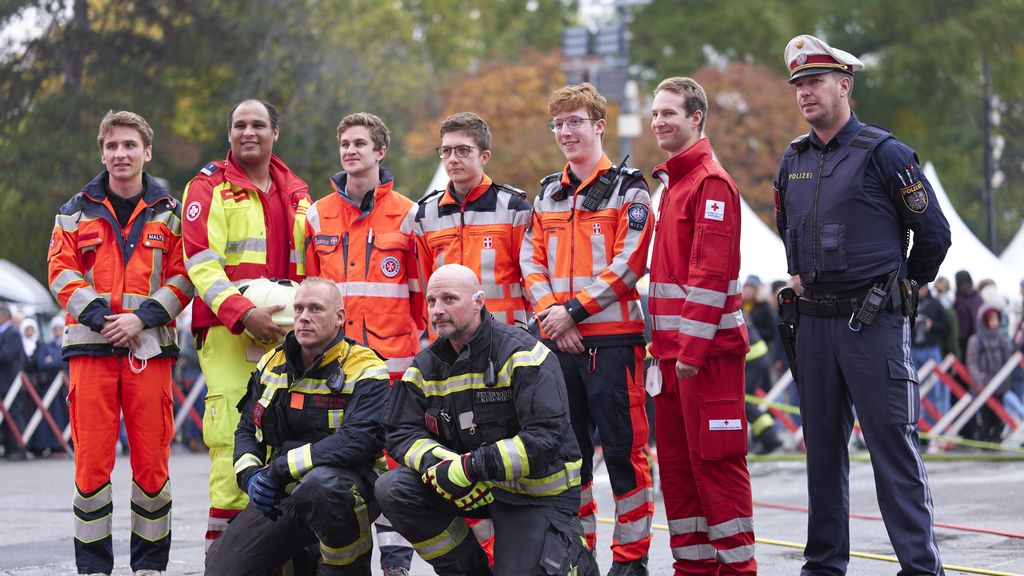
[308, 448]
[480, 424]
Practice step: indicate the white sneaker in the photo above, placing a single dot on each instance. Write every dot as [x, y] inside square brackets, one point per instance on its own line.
[148, 573]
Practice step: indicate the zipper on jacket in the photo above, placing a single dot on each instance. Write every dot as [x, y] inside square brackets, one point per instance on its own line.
[815, 241]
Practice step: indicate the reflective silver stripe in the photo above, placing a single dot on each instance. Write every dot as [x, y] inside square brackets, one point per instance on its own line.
[695, 552]
[216, 524]
[521, 317]
[245, 245]
[313, 217]
[92, 530]
[483, 530]
[598, 254]
[512, 452]
[376, 372]
[151, 503]
[666, 290]
[92, 503]
[300, 460]
[628, 532]
[215, 290]
[697, 329]
[169, 300]
[589, 523]
[296, 256]
[182, 283]
[63, 279]
[634, 501]
[334, 418]
[375, 289]
[132, 301]
[532, 357]
[345, 555]
[414, 285]
[207, 255]
[391, 538]
[80, 299]
[731, 528]
[732, 320]
[586, 495]
[448, 386]
[547, 486]
[151, 530]
[707, 297]
[399, 364]
[663, 322]
[156, 272]
[444, 542]
[81, 334]
[68, 222]
[734, 555]
[497, 217]
[247, 461]
[552, 260]
[487, 279]
[689, 525]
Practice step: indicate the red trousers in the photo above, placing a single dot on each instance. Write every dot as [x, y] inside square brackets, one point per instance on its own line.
[101, 388]
[702, 443]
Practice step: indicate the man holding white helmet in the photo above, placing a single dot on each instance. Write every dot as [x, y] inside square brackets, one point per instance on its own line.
[243, 218]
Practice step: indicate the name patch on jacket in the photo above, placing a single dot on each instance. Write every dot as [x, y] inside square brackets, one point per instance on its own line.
[491, 396]
[155, 237]
[325, 240]
[638, 216]
[325, 402]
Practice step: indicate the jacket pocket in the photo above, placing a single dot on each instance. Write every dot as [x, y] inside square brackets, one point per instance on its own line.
[723, 431]
[714, 251]
[493, 422]
[833, 246]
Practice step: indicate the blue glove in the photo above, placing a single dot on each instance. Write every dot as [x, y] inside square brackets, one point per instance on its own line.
[264, 494]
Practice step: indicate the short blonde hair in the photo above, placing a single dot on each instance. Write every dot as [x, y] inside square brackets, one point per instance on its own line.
[125, 118]
[583, 95]
[378, 130]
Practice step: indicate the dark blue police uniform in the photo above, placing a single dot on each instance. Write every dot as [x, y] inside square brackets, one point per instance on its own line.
[843, 209]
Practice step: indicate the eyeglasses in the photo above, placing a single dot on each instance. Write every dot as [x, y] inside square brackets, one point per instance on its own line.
[573, 122]
[460, 151]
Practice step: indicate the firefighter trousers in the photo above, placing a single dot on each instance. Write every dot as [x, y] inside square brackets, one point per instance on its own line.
[702, 447]
[542, 538]
[102, 387]
[605, 388]
[330, 507]
[222, 357]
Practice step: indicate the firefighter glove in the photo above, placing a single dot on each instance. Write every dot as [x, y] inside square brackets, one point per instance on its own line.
[264, 494]
[452, 478]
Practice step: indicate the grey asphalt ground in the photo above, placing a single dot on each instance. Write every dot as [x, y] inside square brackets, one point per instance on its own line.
[36, 520]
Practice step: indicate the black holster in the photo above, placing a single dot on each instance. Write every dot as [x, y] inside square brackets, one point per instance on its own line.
[789, 320]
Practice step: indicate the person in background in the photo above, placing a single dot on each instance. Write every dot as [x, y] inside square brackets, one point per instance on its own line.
[930, 331]
[45, 365]
[988, 350]
[12, 361]
[951, 343]
[968, 302]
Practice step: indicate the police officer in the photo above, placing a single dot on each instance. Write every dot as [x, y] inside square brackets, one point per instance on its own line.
[315, 402]
[846, 195]
[480, 423]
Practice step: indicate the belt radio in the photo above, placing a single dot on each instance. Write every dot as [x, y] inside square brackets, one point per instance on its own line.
[599, 190]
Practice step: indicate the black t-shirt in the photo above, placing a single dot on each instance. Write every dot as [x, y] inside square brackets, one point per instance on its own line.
[123, 207]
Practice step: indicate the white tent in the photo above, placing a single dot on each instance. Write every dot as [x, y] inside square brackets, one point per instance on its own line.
[439, 181]
[1013, 256]
[967, 252]
[21, 288]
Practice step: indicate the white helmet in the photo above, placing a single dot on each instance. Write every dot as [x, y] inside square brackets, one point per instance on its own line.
[266, 292]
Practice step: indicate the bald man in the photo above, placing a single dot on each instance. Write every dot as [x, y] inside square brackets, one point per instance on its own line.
[480, 423]
[316, 402]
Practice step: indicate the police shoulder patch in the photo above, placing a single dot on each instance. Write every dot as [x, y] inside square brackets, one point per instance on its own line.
[915, 197]
[638, 214]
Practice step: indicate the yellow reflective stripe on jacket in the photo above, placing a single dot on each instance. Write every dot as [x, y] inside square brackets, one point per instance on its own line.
[300, 460]
[247, 460]
[420, 448]
[550, 485]
[514, 457]
[533, 357]
[459, 383]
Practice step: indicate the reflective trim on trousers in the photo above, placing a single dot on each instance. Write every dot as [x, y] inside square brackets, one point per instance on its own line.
[444, 542]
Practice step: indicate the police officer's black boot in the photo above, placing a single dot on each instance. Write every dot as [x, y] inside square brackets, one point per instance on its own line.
[633, 568]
